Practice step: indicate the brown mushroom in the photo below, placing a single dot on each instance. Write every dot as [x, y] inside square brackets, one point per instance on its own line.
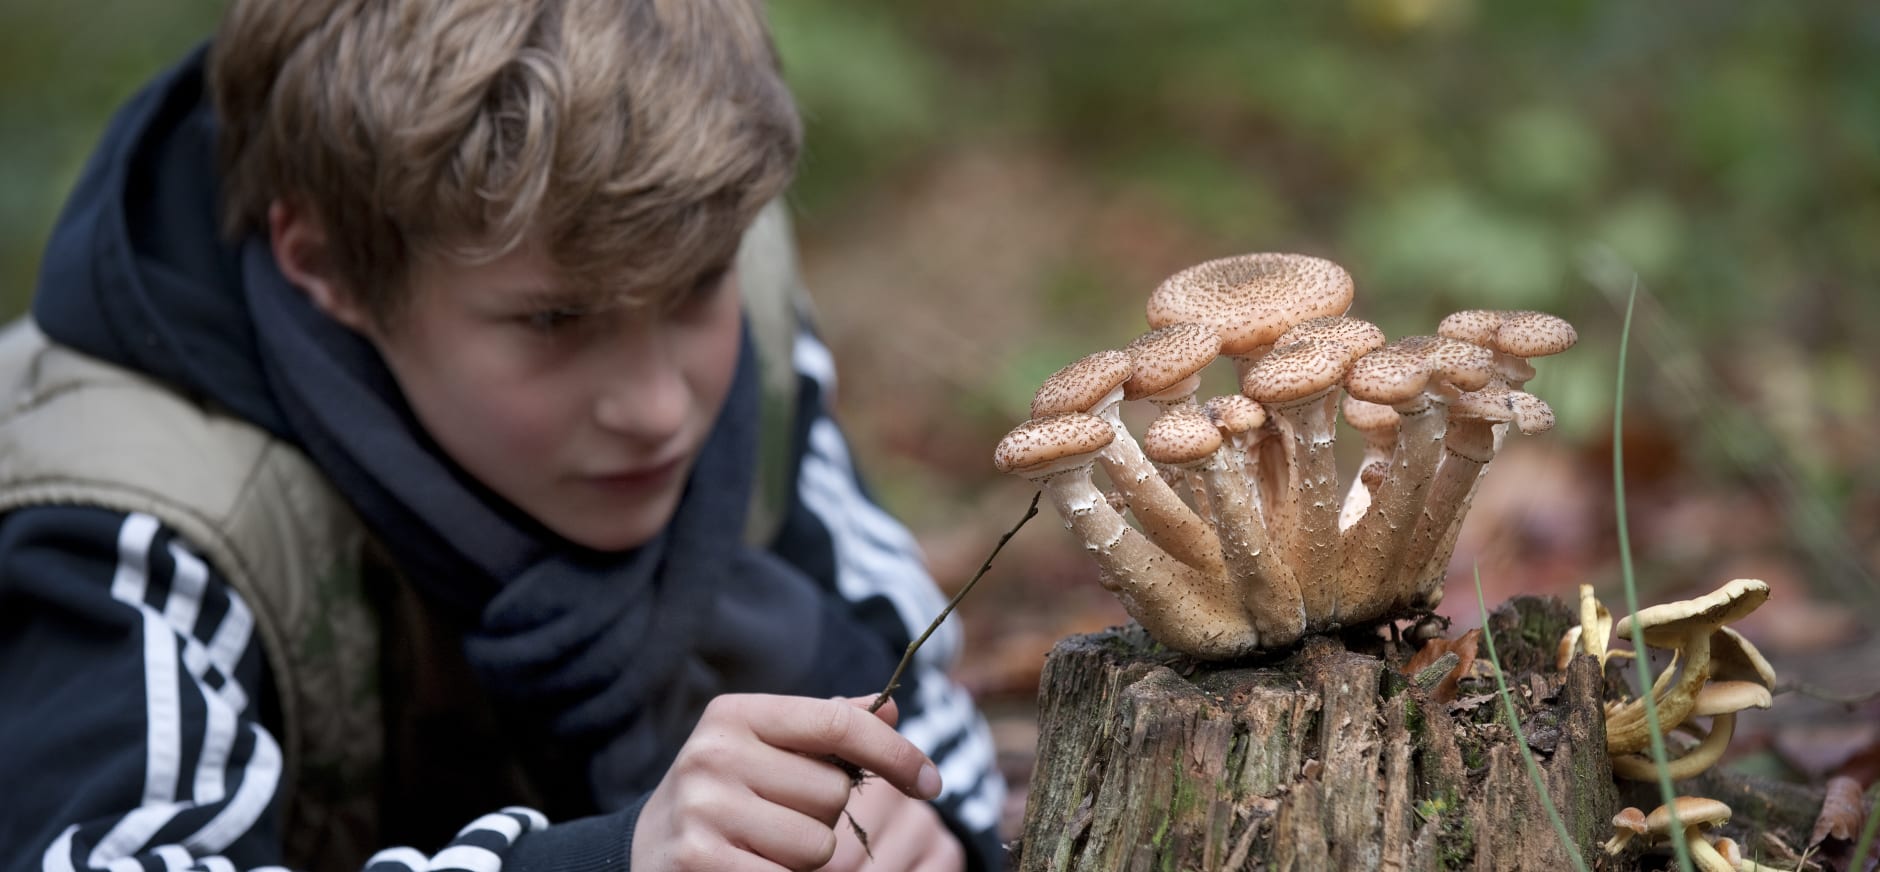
[1169, 361]
[1094, 384]
[1469, 443]
[1377, 423]
[1515, 338]
[1242, 422]
[1296, 382]
[1417, 377]
[1251, 299]
[1180, 606]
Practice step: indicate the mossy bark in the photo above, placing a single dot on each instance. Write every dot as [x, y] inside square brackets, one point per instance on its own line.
[1323, 757]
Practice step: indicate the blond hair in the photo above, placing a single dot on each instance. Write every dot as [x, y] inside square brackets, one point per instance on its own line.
[632, 139]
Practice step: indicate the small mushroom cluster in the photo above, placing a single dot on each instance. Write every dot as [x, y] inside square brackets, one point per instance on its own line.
[1721, 674]
[1696, 817]
[1244, 537]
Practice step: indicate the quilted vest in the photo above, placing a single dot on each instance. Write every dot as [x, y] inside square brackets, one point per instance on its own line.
[376, 707]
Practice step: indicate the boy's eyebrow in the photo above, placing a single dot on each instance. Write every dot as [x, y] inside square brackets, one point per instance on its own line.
[564, 297]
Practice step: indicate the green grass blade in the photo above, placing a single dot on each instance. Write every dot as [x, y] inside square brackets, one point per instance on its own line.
[1866, 837]
[1514, 722]
[1631, 587]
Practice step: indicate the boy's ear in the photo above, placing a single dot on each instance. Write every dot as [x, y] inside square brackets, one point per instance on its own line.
[301, 249]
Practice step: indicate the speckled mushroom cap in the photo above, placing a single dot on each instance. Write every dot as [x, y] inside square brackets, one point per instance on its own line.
[1234, 414]
[1082, 384]
[1369, 417]
[1534, 334]
[1045, 446]
[1733, 658]
[1669, 624]
[1297, 371]
[1251, 299]
[1396, 373]
[1729, 697]
[1361, 336]
[1519, 333]
[1501, 405]
[1166, 355]
[1181, 437]
[1693, 811]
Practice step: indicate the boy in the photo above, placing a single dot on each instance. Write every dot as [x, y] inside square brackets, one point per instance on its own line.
[379, 459]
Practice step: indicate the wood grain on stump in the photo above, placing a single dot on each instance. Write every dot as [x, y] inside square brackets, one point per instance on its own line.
[1324, 757]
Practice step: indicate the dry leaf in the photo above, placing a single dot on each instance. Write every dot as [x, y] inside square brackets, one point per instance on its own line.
[1841, 814]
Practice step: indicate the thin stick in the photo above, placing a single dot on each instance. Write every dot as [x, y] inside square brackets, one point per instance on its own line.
[894, 681]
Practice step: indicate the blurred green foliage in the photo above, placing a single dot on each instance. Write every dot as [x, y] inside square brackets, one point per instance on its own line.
[1451, 153]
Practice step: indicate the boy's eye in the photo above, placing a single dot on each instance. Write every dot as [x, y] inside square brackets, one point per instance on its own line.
[552, 320]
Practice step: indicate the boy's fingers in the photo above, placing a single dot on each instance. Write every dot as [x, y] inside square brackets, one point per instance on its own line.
[889, 713]
[817, 727]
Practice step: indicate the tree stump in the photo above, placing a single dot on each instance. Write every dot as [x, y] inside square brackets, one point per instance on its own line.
[1324, 757]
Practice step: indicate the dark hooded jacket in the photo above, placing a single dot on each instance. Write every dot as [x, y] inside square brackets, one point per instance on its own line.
[137, 275]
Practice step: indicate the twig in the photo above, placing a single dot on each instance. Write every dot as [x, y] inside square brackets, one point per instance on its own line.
[894, 681]
[1803, 688]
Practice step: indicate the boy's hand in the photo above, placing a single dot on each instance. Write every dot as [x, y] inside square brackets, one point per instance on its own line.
[748, 790]
[905, 835]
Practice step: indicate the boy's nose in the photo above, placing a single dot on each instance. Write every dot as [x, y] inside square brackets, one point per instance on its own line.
[643, 394]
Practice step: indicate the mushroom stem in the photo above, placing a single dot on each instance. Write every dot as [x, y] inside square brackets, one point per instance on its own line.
[1628, 731]
[1312, 502]
[1269, 594]
[1375, 546]
[1636, 767]
[1468, 446]
[1165, 518]
[1703, 855]
[1182, 607]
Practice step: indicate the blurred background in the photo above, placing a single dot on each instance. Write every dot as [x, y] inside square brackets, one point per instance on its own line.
[992, 188]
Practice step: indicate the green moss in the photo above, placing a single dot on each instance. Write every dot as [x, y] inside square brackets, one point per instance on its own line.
[1413, 722]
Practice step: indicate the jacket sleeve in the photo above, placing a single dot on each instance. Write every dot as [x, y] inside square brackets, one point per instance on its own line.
[836, 532]
[132, 718]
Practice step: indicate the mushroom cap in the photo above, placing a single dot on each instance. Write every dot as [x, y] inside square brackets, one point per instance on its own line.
[1182, 436]
[1166, 355]
[1467, 366]
[1534, 334]
[1733, 658]
[1496, 404]
[1235, 414]
[1296, 371]
[1369, 417]
[1251, 299]
[1046, 446]
[1669, 624]
[1630, 818]
[1729, 697]
[1357, 334]
[1520, 334]
[1388, 376]
[1082, 384]
[1475, 326]
[1693, 811]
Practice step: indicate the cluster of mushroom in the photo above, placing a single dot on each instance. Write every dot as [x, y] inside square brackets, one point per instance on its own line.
[1696, 816]
[1721, 674]
[1244, 537]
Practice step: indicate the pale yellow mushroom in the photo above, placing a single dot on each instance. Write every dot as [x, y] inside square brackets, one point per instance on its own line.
[1685, 626]
[1629, 822]
[1694, 815]
[1717, 700]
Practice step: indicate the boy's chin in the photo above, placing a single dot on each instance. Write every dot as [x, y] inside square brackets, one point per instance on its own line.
[612, 531]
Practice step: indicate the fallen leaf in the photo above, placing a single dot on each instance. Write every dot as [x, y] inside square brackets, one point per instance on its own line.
[1841, 813]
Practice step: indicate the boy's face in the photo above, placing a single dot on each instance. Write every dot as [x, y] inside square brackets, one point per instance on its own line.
[586, 415]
